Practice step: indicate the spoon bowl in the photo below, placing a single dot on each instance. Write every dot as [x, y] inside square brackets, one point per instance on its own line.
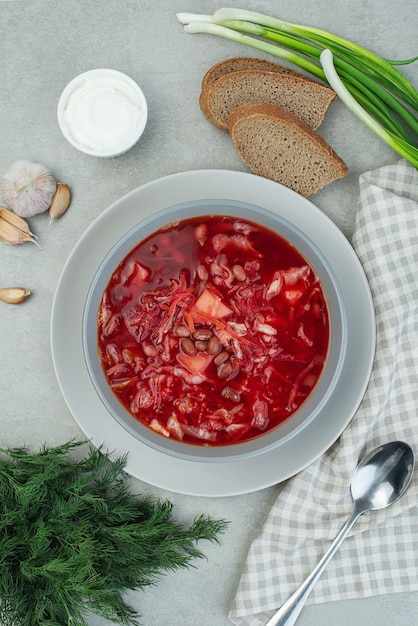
[382, 476]
[379, 480]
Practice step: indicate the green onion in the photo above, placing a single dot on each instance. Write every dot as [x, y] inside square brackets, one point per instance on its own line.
[327, 40]
[358, 83]
[406, 150]
[370, 86]
[222, 31]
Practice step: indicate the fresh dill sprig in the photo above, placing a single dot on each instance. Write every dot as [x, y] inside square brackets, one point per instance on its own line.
[74, 539]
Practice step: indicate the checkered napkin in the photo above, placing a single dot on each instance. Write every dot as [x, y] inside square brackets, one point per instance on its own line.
[380, 555]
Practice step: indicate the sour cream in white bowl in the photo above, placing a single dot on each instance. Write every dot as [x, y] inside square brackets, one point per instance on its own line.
[102, 113]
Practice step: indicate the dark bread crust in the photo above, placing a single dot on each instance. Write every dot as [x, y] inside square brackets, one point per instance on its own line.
[305, 98]
[278, 145]
[236, 64]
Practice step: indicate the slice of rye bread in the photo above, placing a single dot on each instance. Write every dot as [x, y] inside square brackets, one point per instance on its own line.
[307, 99]
[278, 145]
[236, 64]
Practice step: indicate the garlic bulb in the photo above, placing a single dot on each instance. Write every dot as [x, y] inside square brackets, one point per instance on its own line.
[27, 188]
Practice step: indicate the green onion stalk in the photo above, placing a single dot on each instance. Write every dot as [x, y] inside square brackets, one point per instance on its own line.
[369, 85]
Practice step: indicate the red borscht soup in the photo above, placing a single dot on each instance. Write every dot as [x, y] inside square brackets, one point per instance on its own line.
[213, 331]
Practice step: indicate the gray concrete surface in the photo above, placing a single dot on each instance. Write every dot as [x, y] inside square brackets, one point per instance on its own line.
[43, 45]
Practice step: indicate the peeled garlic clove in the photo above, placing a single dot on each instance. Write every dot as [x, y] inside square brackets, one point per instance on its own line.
[14, 295]
[13, 228]
[60, 201]
[27, 188]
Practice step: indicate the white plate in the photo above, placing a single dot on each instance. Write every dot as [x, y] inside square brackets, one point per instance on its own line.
[193, 477]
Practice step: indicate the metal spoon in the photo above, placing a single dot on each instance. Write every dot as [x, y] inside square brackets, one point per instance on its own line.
[380, 479]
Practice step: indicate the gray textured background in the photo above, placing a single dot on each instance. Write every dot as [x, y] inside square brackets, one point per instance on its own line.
[43, 45]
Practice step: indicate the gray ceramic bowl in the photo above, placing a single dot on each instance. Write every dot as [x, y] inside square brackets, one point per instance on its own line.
[311, 407]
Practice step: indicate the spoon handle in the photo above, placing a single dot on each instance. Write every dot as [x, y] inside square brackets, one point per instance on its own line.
[289, 611]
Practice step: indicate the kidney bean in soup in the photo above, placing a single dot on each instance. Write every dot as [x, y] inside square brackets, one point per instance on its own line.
[213, 330]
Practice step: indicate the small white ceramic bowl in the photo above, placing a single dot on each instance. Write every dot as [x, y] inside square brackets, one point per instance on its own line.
[102, 113]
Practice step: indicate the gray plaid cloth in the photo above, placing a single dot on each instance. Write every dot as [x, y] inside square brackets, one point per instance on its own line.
[380, 555]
